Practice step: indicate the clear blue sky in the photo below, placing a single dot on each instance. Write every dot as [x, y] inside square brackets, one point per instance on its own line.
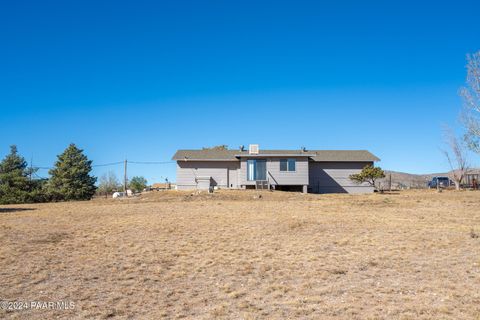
[141, 79]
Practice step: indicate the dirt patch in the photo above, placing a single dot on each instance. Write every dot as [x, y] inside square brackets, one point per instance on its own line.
[50, 238]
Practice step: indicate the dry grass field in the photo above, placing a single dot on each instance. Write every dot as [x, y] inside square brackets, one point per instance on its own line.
[235, 255]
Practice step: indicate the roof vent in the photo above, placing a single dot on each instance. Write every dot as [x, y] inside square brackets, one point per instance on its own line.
[253, 149]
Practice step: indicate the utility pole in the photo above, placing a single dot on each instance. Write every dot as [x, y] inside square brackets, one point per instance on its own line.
[31, 169]
[125, 178]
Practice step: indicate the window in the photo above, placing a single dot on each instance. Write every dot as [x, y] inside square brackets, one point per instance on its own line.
[287, 165]
[291, 165]
[256, 169]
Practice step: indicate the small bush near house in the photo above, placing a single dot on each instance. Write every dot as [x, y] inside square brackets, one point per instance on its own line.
[369, 174]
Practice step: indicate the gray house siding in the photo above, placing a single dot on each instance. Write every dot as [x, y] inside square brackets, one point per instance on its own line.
[223, 173]
[317, 171]
[333, 177]
[277, 177]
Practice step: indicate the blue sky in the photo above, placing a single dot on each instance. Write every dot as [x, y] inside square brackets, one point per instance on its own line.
[141, 79]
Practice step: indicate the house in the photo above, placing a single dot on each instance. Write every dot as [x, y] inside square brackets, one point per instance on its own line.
[315, 171]
[162, 186]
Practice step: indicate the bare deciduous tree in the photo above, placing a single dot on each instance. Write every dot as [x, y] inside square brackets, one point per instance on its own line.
[108, 183]
[471, 97]
[457, 157]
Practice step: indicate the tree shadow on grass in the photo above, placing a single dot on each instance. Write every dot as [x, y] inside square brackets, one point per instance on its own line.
[9, 210]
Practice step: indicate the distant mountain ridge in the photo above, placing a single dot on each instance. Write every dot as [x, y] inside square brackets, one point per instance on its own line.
[403, 180]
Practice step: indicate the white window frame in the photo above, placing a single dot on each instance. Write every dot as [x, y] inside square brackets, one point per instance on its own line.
[288, 167]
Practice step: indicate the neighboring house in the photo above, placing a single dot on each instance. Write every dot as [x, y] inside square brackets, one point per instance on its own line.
[316, 171]
[162, 186]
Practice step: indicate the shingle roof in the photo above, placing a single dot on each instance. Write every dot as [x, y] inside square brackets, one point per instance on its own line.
[315, 155]
[211, 154]
[344, 155]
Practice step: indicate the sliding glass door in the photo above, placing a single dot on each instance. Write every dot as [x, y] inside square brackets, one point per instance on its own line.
[256, 169]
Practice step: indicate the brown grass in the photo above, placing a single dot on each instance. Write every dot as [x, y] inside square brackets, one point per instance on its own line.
[413, 255]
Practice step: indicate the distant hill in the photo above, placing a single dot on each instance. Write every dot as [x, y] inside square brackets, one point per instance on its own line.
[403, 180]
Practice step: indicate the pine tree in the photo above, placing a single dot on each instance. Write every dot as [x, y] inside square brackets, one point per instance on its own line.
[15, 184]
[71, 179]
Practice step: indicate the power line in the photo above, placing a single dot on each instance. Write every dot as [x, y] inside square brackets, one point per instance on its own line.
[95, 165]
[107, 164]
[112, 164]
[151, 162]
[39, 177]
